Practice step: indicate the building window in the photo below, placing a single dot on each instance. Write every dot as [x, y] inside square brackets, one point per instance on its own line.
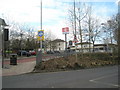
[101, 48]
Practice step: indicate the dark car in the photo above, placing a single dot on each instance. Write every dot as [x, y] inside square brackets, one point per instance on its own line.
[50, 52]
[56, 52]
[23, 53]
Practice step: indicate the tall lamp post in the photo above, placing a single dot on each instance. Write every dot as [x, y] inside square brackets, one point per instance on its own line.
[41, 25]
[40, 35]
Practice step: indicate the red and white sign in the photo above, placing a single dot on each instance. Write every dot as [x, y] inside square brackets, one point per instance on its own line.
[75, 39]
[65, 30]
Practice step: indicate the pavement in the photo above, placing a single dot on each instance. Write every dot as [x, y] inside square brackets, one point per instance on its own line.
[24, 65]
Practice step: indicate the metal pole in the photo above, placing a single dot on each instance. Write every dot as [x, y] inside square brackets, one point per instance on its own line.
[41, 25]
[39, 53]
[65, 42]
[21, 43]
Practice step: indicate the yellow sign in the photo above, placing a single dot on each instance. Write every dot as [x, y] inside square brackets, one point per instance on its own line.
[40, 35]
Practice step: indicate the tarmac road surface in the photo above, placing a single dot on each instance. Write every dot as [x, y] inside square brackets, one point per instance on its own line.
[104, 77]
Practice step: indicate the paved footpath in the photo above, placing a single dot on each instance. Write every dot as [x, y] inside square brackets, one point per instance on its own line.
[24, 65]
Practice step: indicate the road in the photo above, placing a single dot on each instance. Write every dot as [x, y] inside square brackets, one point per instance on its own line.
[105, 77]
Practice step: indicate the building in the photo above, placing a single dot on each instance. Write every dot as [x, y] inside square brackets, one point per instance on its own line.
[105, 48]
[56, 45]
[86, 47]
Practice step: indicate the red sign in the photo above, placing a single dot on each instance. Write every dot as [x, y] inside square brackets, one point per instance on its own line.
[65, 30]
[75, 39]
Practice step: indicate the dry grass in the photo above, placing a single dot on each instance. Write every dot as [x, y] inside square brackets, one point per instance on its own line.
[69, 63]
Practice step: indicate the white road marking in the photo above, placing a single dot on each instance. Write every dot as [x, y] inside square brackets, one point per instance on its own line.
[95, 80]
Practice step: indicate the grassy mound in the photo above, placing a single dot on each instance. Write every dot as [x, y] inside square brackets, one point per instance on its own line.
[70, 63]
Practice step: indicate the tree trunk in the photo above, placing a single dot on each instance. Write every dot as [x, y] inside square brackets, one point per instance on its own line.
[81, 39]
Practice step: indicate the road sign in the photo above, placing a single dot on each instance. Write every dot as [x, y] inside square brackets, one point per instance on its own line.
[75, 39]
[40, 35]
[65, 30]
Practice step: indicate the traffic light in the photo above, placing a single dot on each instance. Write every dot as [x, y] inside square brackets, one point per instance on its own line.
[6, 34]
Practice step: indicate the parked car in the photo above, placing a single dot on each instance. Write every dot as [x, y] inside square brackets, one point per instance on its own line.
[56, 52]
[23, 53]
[32, 52]
[50, 52]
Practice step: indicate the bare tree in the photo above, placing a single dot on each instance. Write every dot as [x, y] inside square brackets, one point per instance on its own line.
[21, 37]
[76, 16]
[49, 36]
[94, 34]
[93, 28]
[114, 27]
[82, 13]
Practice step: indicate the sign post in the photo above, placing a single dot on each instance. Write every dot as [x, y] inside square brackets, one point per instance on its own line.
[40, 37]
[65, 31]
